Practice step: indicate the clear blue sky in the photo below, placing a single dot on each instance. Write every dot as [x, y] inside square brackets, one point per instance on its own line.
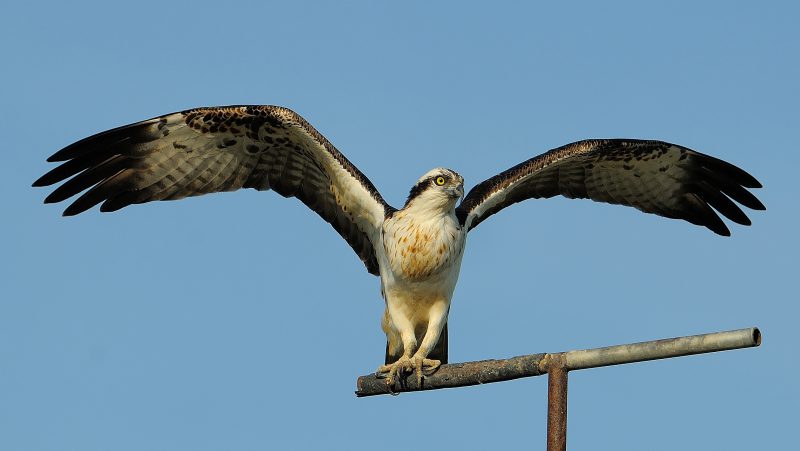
[241, 321]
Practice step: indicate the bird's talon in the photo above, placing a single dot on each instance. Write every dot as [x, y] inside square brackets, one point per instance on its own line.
[433, 366]
[395, 372]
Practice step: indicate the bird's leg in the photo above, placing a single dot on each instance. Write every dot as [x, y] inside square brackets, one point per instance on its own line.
[436, 320]
[396, 370]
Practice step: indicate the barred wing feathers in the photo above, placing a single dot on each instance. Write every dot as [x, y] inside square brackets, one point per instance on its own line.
[652, 176]
[215, 149]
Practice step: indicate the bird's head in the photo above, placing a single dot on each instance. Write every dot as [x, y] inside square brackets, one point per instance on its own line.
[438, 189]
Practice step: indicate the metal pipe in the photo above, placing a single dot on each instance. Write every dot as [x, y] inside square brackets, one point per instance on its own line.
[662, 349]
[487, 371]
[457, 375]
[557, 379]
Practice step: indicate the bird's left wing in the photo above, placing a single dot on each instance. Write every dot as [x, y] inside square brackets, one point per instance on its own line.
[215, 149]
[652, 176]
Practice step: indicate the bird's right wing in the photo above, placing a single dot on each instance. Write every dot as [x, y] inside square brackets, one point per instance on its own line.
[215, 149]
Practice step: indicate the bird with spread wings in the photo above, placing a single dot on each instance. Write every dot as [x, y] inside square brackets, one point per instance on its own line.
[415, 250]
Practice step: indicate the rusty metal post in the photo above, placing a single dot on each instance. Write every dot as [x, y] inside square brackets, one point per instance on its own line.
[557, 379]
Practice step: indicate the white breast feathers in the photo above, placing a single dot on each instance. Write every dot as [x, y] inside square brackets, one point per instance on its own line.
[419, 248]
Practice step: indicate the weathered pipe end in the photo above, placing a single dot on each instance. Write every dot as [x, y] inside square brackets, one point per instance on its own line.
[756, 337]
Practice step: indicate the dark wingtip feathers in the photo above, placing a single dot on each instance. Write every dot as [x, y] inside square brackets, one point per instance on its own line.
[724, 183]
[40, 182]
[729, 170]
[72, 210]
[68, 152]
[721, 232]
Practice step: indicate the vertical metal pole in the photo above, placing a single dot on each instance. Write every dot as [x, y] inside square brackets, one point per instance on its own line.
[556, 408]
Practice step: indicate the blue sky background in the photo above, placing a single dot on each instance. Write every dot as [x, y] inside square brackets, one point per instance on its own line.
[241, 321]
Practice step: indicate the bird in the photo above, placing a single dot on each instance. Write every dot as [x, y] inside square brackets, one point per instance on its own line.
[416, 250]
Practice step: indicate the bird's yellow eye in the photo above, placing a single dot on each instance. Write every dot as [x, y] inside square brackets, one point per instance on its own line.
[440, 180]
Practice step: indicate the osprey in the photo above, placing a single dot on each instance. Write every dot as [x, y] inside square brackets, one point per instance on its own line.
[416, 250]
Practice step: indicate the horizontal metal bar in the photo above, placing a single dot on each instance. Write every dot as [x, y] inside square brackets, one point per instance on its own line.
[663, 349]
[488, 371]
[457, 375]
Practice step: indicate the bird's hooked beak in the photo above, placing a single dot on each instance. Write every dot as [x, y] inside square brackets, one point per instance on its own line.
[457, 192]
